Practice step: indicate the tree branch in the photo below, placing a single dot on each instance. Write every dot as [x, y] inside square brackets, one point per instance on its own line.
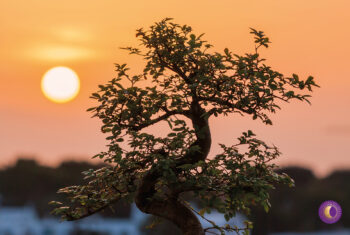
[160, 118]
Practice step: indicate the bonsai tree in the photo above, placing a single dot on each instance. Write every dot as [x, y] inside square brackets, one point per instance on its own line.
[189, 85]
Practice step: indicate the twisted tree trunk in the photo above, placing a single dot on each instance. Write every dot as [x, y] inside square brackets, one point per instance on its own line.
[171, 208]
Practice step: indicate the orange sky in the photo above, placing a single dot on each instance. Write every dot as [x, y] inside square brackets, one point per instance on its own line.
[308, 37]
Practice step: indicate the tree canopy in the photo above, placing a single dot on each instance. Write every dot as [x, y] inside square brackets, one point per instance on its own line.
[190, 85]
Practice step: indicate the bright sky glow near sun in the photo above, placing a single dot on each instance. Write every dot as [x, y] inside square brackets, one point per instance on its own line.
[308, 38]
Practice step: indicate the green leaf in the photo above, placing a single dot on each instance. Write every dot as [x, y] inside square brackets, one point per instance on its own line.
[169, 123]
[96, 95]
[91, 109]
[186, 166]
[55, 203]
[290, 94]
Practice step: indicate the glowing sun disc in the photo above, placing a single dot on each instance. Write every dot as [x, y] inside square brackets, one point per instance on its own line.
[60, 84]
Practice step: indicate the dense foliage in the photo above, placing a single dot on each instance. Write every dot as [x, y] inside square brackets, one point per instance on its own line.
[190, 85]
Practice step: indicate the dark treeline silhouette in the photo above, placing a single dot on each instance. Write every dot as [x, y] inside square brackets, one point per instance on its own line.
[296, 209]
[29, 183]
[293, 209]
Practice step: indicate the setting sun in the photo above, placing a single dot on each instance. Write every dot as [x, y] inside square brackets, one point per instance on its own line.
[60, 84]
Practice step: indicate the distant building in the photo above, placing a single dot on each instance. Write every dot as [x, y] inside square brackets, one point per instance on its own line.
[24, 221]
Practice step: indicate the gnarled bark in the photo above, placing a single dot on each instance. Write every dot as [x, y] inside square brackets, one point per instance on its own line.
[171, 208]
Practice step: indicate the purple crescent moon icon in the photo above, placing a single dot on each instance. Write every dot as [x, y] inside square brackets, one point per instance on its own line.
[330, 212]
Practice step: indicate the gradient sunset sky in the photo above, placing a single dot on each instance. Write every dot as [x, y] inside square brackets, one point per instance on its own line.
[308, 38]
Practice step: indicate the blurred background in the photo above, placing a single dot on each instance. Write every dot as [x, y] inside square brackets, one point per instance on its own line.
[27, 187]
[44, 145]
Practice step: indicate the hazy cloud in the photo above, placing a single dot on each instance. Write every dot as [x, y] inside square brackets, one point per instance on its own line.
[338, 129]
[60, 52]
